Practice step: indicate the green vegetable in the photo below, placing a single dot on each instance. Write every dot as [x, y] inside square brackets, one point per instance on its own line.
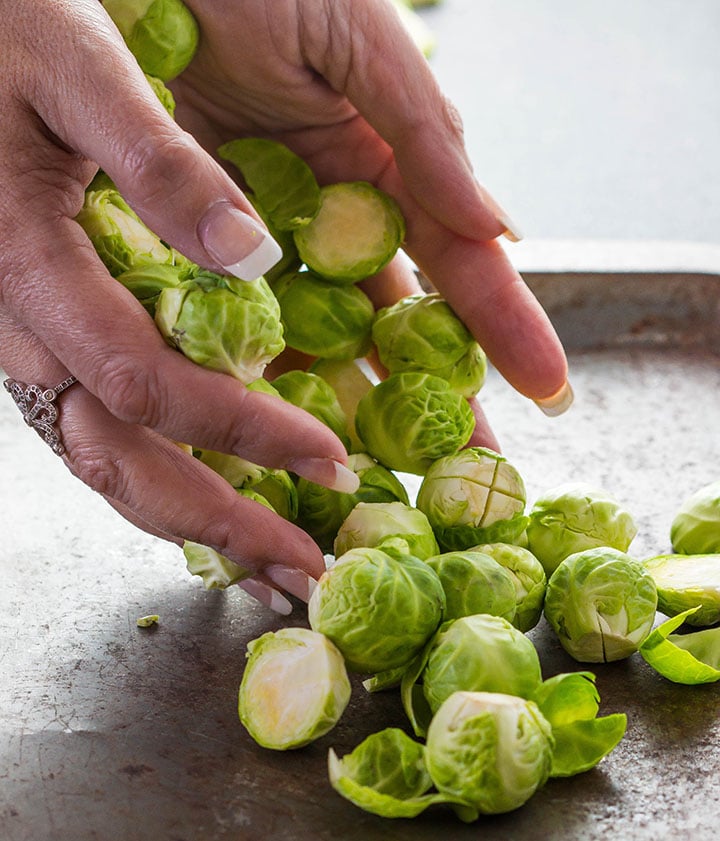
[217, 571]
[313, 394]
[350, 384]
[322, 511]
[570, 703]
[690, 659]
[601, 604]
[685, 581]
[480, 653]
[148, 621]
[322, 319]
[294, 688]
[473, 496]
[422, 333]
[396, 527]
[163, 35]
[695, 529]
[163, 93]
[222, 323]
[491, 750]
[378, 610]
[410, 420]
[147, 282]
[573, 517]
[356, 232]
[474, 583]
[528, 577]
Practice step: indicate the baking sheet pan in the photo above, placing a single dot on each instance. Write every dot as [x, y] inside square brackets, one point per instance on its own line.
[112, 731]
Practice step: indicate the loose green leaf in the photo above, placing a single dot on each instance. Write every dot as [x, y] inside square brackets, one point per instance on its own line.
[690, 659]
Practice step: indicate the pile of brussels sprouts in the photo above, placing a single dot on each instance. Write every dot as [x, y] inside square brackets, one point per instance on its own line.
[432, 597]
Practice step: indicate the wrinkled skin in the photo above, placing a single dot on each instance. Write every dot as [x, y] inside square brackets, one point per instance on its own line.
[342, 85]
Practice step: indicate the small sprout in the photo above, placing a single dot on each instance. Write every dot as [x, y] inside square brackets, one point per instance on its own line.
[350, 383]
[573, 517]
[148, 621]
[313, 394]
[601, 603]
[695, 529]
[294, 688]
[685, 581]
[391, 526]
[473, 496]
[410, 420]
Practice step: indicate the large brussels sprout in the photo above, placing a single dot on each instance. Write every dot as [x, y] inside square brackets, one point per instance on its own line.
[601, 604]
[695, 529]
[573, 517]
[321, 511]
[324, 319]
[222, 323]
[492, 750]
[474, 583]
[120, 238]
[528, 577]
[687, 581]
[379, 611]
[395, 527]
[410, 420]
[294, 688]
[355, 233]
[313, 394]
[422, 333]
[163, 35]
[473, 496]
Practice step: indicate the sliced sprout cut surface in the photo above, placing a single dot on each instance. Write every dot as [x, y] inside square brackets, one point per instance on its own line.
[688, 581]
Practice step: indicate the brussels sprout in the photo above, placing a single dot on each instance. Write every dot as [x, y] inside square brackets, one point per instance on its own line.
[314, 395]
[163, 35]
[217, 571]
[120, 239]
[350, 384]
[473, 496]
[492, 750]
[422, 333]
[695, 529]
[294, 688]
[480, 653]
[321, 511]
[222, 323]
[410, 420]
[601, 604]
[685, 581]
[690, 659]
[474, 583]
[378, 610]
[573, 517]
[323, 319]
[147, 282]
[396, 527]
[528, 577]
[356, 232]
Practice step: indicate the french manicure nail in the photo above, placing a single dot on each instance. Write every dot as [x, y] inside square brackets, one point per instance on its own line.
[237, 242]
[557, 403]
[511, 231]
[293, 580]
[267, 595]
[326, 472]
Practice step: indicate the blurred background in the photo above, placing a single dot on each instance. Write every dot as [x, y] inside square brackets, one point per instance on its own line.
[589, 120]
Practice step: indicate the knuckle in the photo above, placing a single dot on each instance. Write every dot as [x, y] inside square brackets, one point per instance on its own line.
[452, 118]
[101, 472]
[131, 391]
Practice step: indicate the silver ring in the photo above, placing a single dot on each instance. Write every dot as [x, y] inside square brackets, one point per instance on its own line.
[39, 409]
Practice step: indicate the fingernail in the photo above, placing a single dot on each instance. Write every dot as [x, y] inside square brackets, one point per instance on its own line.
[326, 472]
[293, 580]
[511, 230]
[557, 403]
[237, 242]
[267, 595]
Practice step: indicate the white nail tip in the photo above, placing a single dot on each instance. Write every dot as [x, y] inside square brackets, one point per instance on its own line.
[266, 254]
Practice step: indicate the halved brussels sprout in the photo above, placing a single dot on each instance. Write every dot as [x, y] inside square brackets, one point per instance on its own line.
[378, 610]
[396, 527]
[422, 333]
[695, 529]
[474, 583]
[573, 517]
[222, 323]
[410, 420]
[356, 232]
[601, 604]
[473, 496]
[685, 581]
[313, 394]
[528, 576]
[163, 35]
[491, 750]
[294, 688]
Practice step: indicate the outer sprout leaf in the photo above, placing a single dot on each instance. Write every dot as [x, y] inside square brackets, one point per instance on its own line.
[689, 659]
[580, 745]
[568, 697]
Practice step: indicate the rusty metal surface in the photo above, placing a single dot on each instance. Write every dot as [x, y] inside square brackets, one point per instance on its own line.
[108, 730]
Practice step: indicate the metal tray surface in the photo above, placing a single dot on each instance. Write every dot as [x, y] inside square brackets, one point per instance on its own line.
[108, 730]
